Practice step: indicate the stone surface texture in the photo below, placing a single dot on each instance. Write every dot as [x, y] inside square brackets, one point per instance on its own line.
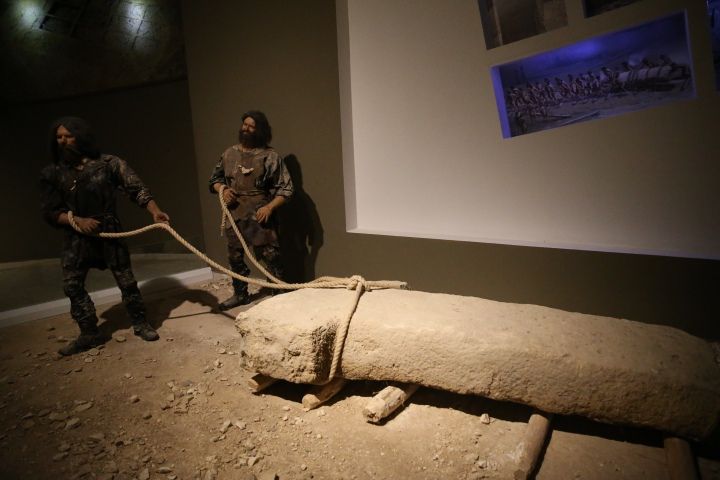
[607, 369]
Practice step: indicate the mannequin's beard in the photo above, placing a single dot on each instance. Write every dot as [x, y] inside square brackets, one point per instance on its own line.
[70, 155]
[249, 140]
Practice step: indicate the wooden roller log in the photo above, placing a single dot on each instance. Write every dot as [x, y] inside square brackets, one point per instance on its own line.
[387, 401]
[320, 394]
[680, 459]
[259, 382]
[532, 445]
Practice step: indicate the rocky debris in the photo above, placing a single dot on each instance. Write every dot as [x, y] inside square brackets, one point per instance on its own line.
[82, 405]
[60, 456]
[225, 426]
[243, 432]
[74, 422]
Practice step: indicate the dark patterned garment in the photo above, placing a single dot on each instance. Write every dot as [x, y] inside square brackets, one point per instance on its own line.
[92, 193]
[257, 176]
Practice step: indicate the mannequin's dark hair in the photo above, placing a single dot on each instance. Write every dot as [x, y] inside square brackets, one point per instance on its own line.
[84, 138]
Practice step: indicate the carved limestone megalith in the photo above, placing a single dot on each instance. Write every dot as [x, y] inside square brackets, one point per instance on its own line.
[606, 369]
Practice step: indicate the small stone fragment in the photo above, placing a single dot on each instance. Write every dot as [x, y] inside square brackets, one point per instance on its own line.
[225, 426]
[120, 338]
[111, 467]
[59, 456]
[83, 406]
[72, 423]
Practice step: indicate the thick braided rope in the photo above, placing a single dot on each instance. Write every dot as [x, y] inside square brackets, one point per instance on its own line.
[226, 215]
[356, 282]
[320, 282]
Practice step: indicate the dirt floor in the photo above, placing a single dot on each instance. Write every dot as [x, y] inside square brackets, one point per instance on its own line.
[180, 408]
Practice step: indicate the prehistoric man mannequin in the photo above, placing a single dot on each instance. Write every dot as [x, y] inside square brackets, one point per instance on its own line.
[257, 183]
[86, 182]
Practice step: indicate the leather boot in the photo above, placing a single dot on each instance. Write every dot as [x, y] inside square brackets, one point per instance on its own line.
[89, 338]
[239, 298]
[145, 331]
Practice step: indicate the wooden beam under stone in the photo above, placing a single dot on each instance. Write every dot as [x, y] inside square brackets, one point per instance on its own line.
[680, 459]
[259, 382]
[532, 444]
[387, 401]
[320, 394]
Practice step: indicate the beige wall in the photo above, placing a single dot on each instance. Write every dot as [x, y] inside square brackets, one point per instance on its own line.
[281, 57]
[425, 103]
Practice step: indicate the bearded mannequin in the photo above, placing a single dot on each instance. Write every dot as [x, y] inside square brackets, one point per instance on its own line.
[86, 182]
[254, 182]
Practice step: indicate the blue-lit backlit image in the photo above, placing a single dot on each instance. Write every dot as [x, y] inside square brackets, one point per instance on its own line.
[604, 76]
[713, 7]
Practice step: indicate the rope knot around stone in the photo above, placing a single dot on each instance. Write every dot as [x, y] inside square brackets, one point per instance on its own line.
[356, 281]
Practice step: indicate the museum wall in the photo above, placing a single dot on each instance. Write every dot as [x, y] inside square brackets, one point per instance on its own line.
[149, 126]
[281, 57]
[604, 168]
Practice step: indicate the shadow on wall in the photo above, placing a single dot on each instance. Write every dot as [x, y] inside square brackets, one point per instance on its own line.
[300, 231]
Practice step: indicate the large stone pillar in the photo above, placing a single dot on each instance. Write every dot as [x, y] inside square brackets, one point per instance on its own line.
[606, 369]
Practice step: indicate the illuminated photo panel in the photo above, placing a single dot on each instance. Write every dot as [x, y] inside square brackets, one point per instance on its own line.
[604, 76]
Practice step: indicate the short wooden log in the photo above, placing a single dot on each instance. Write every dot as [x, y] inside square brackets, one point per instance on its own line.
[259, 382]
[387, 401]
[532, 445]
[320, 394]
[680, 459]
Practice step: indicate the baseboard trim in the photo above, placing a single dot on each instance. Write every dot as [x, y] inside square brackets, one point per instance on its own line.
[101, 297]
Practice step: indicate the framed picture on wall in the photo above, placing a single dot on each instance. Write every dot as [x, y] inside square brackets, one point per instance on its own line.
[600, 77]
[596, 7]
[713, 7]
[505, 22]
